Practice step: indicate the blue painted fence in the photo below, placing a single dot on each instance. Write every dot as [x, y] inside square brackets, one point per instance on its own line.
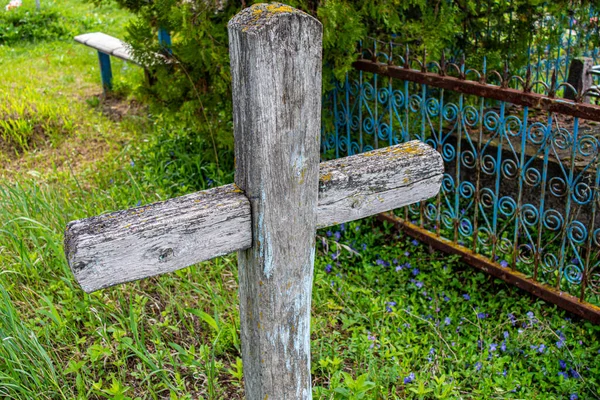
[521, 185]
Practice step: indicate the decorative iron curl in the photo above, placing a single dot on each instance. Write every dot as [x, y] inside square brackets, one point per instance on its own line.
[577, 232]
[532, 177]
[537, 133]
[549, 262]
[526, 254]
[573, 274]
[470, 116]
[552, 220]
[529, 215]
[488, 164]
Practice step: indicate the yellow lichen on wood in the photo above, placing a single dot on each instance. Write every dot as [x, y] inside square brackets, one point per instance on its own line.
[326, 177]
[279, 8]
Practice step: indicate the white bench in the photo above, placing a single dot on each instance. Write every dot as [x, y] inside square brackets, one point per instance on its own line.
[108, 46]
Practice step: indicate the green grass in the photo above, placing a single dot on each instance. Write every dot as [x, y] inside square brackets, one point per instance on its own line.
[378, 330]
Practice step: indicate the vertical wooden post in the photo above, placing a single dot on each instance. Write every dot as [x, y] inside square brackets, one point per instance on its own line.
[580, 78]
[275, 53]
[105, 71]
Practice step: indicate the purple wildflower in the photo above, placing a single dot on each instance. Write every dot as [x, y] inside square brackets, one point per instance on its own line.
[563, 374]
[466, 296]
[504, 263]
[562, 364]
[328, 268]
[478, 366]
[337, 235]
[415, 242]
[415, 271]
[505, 335]
[542, 348]
[512, 318]
[406, 253]
[419, 284]
[447, 320]
[364, 246]
[503, 346]
[574, 374]
[481, 315]
[357, 228]
[380, 262]
[493, 347]
[409, 379]
[573, 396]
[329, 233]
[399, 268]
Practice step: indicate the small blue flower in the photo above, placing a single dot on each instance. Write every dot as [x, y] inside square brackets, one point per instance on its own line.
[447, 320]
[503, 346]
[530, 315]
[446, 298]
[406, 253]
[560, 344]
[504, 373]
[493, 347]
[573, 396]
[399, 268]
[329, 233]
[478, 366]
[409, 379]
[505, 335]
[415, 242]
[139, 203]
[563, 374]
[132, 163]
[415, 271]
[364, 246]
[380, 262]
[542, 348]
[481, 315]
[328, 268]
[391, 303]
[337, 236]
[562, 364]
[574, 374]
[343, 227]
[357, 228]
[504, 263]
[466, 296]
[419, 284]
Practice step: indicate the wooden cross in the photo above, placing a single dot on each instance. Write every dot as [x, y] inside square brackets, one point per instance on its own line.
[270, 215]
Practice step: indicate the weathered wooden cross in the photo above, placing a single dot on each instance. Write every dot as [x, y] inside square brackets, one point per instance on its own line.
[270, 215]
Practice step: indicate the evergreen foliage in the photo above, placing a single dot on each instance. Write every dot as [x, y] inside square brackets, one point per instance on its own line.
[197, 81]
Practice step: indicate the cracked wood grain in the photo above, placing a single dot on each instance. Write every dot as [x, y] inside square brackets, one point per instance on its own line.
[158, 238]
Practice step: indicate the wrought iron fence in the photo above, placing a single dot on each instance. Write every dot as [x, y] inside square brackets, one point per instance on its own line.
[520, 193]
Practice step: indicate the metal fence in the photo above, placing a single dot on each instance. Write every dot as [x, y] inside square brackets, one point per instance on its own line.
[520, 194]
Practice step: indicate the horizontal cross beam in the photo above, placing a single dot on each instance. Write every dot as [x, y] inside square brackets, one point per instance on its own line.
[163, 237]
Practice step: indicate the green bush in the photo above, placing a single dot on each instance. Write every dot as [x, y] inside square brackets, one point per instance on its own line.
[197, 81]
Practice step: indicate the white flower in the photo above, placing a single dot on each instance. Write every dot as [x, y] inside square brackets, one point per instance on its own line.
[13, 4]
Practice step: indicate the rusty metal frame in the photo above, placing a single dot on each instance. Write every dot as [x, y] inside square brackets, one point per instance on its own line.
[509, 275]
[470, 87]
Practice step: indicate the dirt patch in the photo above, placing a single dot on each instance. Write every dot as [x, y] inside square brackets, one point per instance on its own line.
[90, 142]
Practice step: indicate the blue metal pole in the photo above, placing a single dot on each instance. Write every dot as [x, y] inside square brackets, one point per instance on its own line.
[105, 71]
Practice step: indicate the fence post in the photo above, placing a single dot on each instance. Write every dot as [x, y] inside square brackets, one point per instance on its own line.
[275, 53]
[580, 78]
